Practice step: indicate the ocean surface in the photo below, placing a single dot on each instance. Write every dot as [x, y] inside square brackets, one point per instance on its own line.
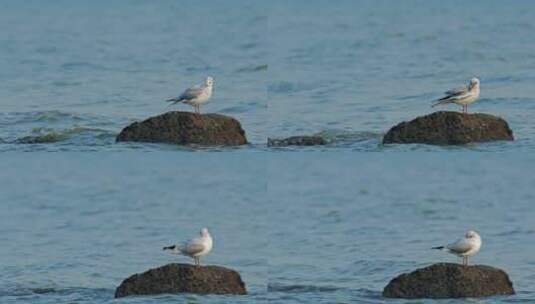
[74, 73]
[327, 224]
[314, 227]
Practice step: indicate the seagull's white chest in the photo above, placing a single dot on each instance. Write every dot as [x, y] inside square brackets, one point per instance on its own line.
[475, 248]
[208, 243]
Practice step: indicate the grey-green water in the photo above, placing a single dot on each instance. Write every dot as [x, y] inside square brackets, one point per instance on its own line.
[324, 224]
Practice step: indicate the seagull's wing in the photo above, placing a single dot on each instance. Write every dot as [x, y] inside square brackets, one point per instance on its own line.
[191, 93]
[193, 246]
[460, 96]
[457, 91]
[188, 94]
[453, 94]
[459, 247]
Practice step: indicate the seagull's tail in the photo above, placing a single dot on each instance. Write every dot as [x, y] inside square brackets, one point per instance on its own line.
[173, 101]
[438, 248]
[441, 101]
[170, 247]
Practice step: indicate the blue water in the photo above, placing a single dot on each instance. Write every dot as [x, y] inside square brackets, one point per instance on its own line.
[359, 67]
[328, 224]
[81, 71]
[299, 227]
[77, 226]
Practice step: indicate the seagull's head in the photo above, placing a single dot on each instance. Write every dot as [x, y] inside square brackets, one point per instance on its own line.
[209, 81]
[472, 235]
[474, 82]
[204, 232]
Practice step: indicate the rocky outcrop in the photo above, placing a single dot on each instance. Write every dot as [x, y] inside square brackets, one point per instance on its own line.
[296, 141]
[180, 278]
[43, 139]
[185, 128]
[449, 128]
[446, 280]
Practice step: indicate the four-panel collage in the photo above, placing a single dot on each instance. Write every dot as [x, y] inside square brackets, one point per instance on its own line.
[249, 151]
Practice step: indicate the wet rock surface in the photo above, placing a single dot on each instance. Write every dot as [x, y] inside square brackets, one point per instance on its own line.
[183, 278]
[446, 280]
[296, 141]
[185, 128]
[450, 128]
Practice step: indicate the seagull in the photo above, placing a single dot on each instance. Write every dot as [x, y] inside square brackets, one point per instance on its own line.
[194, 248]
[462, 96]
[196, 95]
[465, 247]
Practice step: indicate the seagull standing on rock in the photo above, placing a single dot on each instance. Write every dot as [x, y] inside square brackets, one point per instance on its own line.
[462, 96]
[194, 248]
[465, 247]
[196, 95]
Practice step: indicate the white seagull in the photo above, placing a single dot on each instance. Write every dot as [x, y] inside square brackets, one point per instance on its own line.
[465, 247]
[196, 95]
[194, 248]
[462, 96]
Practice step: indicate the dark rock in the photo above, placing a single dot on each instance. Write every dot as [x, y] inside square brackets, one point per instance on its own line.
[180, 278]
[449, 128]
[297, 141]
[43, 139]
[446, 280]
[186, 128]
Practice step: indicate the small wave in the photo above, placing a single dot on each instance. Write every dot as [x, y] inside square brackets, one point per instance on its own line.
[242, 108]
[53, 116]
[43, 290]
[341, 136]
[17, 290]
[66, 83]
[81, 65]
[289, 87]
[257, 68]
[515, 232]
[43, 139]
[47, 50]
[274, 287]
[22, 291]
[9, 119]
[248, 46]
[46, 135]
